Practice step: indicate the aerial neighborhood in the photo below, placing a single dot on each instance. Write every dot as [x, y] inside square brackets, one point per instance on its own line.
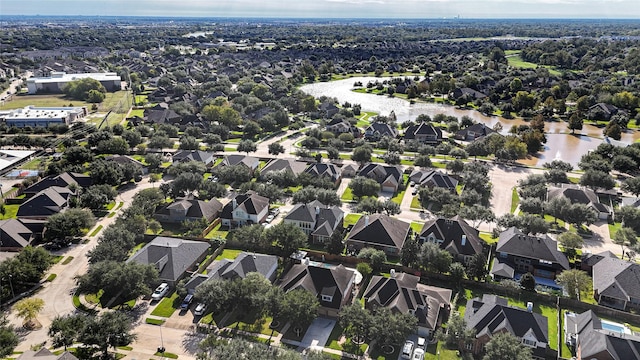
[203, 190]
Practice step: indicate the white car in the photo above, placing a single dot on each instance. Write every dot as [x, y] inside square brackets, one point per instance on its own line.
[160, 292]
[407, 349]
[422, 342]
[418, 354]
[200, 309]
[269, 218]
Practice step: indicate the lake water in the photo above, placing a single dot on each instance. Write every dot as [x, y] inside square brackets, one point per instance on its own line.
[560, 144]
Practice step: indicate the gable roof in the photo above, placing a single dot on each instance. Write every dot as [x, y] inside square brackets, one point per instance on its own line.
[514, 242]
[194, 208]
[617, 278]
[296, 167]
[250, 202]
[574, 194]
[171, 256]
[61, 180]
[433, 178]
[193, 155]
[491, 314]
[13, 234]
[44, 354]
[451, 232]
[324, 169]
[381, 129]
[325, 218]
[422, 129]
[478, 129]
[404, 294]
[248, 161]
[380, 229]
[247, 263]
[335, 282]
[381, 173]
[47, 202]
[594, 341]
[589, 259]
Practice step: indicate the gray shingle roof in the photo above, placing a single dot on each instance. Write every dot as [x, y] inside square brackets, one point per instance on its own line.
[617, 278]
[47, 202]
[296, 167]
[381, 229]
[171, 256]
[320, 280]
[451, 231]
[250, 202]
[598, 343]
[14, 234]
[514, 242]
[195, 209]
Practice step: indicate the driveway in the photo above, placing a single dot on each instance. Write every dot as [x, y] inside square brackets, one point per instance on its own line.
[318, 333]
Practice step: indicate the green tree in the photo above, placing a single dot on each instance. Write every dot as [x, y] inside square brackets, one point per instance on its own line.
[70, 223]
[95, 96]
[575, 123]
[355, 321]
[276, 148]
[575, 282]
[506, 346]
[300, 307]
[410, 252]
[362, 154]
[528, 282]
[80, 89]
[247, 146]
[8, 337]
[632, 186]
[457, 271]
[335, 244]
[124, 281]
[391, 328]
[108, 330]
[435, 259]
[362, 186]
[65, 330]
[570, 241]
[28, 309]
[364, 269]
[287, 237]
[477, 267]
[250, 238]
[625, 236]
[456, 332]
[375, 257]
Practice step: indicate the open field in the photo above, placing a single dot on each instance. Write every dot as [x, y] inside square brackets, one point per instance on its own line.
[41, 101]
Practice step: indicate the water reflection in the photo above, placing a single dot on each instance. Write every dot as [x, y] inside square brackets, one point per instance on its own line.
[560, 144]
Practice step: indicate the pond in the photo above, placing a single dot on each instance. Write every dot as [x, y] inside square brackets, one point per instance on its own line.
[560, 144]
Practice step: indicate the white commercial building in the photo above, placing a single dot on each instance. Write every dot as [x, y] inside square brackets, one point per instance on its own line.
[43, 116]
[58, 79]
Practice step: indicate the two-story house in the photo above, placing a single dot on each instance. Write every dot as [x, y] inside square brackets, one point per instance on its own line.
[326, 170]
[431, 178]
[518, 253]
[189, 209]
[380, 232]
[492, 315]
[389, 177]
[245, 209]
[616, 283]
[455, 236]
[403, 293]
[341, 126]
[473, 132]
[317, 220]
[378, 130]
[424, 132]
[595, 339]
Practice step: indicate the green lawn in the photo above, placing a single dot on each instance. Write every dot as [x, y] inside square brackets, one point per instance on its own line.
[440, 352]
[416, 227]
[10, 212]
[252, 323]
[347, 195]
[415, 203]
[96, 231]
[398, 198]
[515, 200]
[351, 219]
[167, 306]
[41, 101]
[613, 228]
[516, 61]
[217, 232]
[229, 254]
[137, 247]
[488, 238]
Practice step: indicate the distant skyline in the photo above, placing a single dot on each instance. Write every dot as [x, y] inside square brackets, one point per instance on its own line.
[408, 9]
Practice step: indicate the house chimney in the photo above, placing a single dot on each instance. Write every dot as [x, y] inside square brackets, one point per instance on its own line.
[463, 241]
[392, 273]
[317, 210]
[366, 220]
[529, 306]
[234, 203]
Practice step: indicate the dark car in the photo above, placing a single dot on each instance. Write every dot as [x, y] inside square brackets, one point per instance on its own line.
[186, 302]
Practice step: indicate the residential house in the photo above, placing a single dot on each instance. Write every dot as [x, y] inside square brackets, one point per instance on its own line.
[328, 109]
[340, 126]
[379, 231]
[126, 159]
[349, 170]
[524, 253]
[491, 315]
[377, 130]
[44, 354]
[250, 162]
[326, 170]
[238, 268]
[317, 220]
[389, 177]
[589, 260]
[424, 132]
[245, 209]
[431, 178]
[172, 257]
[602, 111]
[161, 116]
[473, 132]
[47, 202]
[204, 157]
[403, 293]
[580, 195]
[65, 179]
[333, 286]
[14, 235]
[291, 165]
[596, 339]
[469, 92]
[616, 283]
[455, 236]
[189, 209]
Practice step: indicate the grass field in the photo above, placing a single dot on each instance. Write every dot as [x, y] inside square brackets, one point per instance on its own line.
[229, 254]
[10, 212]
[167, 306]
[351, 219]
[515, 200]
[41, 101]
[515, 60]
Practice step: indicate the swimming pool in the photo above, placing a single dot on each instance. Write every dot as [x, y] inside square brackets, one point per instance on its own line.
[613, 327]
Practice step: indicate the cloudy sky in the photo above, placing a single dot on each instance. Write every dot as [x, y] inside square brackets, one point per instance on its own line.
[629, 9]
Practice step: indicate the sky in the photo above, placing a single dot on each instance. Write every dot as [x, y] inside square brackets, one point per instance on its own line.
[422, 9]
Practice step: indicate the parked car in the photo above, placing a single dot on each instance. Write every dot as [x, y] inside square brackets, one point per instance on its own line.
[186, 302]
[200, 309]
[418, 354]
[422, 343]
[160, 292]
[275, 212]
[407, 349]
[269, 218]
[414, 192]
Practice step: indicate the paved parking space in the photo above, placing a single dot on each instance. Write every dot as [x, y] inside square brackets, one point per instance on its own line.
[318, 333]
